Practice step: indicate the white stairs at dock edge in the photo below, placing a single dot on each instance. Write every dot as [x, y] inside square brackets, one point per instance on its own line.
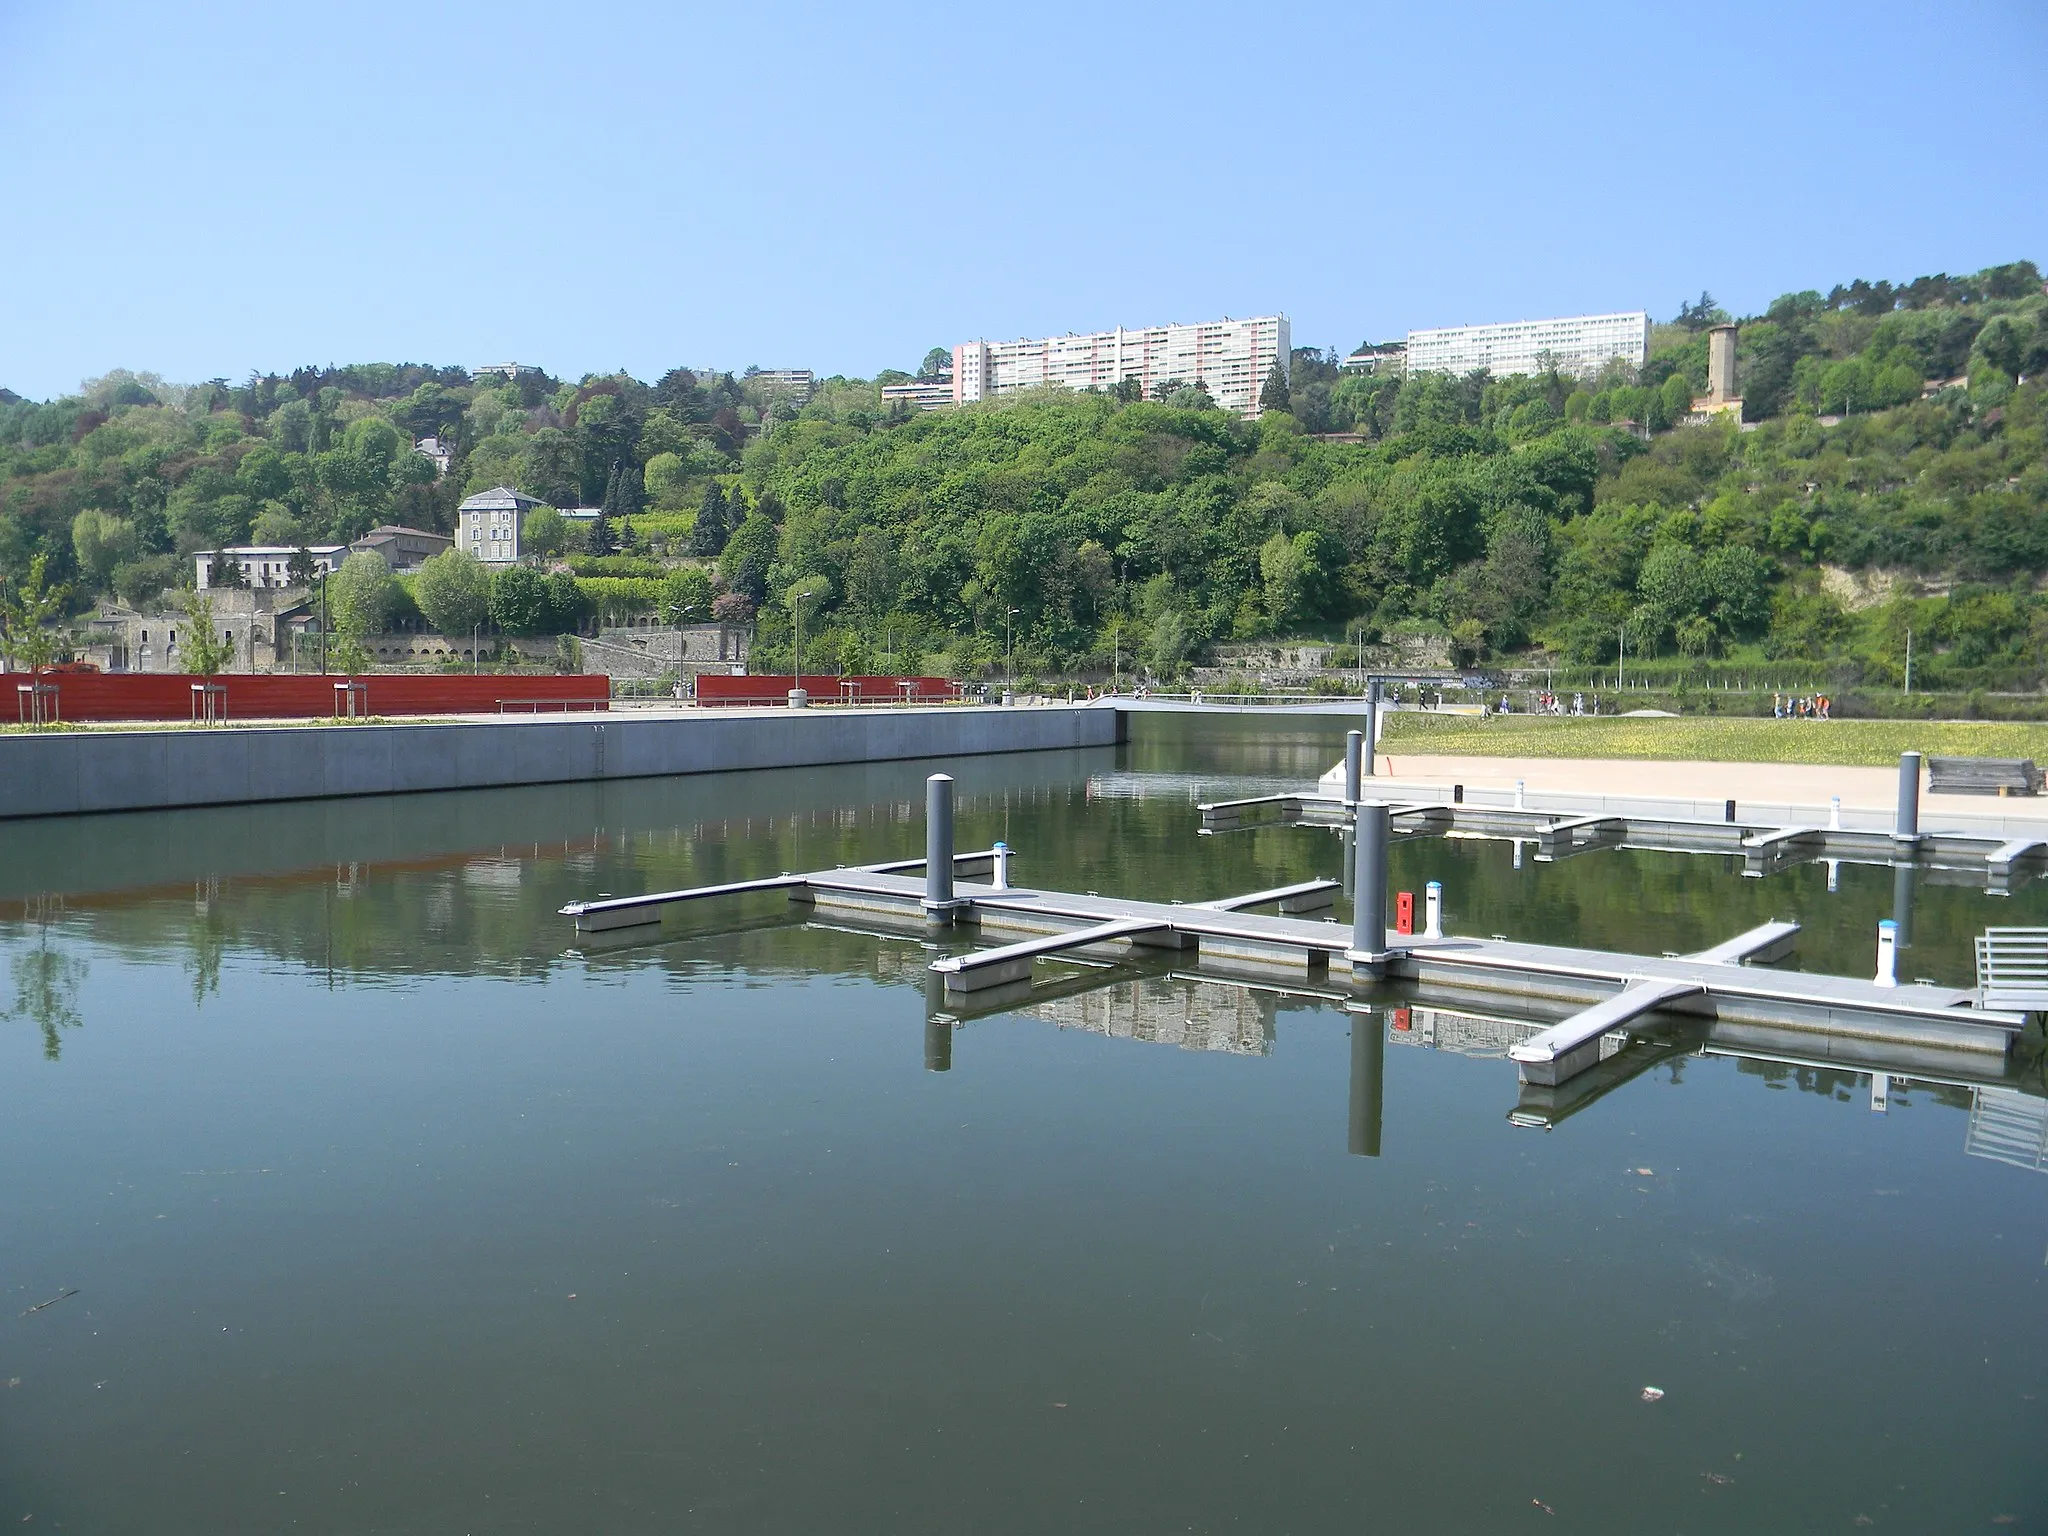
[2012, 969]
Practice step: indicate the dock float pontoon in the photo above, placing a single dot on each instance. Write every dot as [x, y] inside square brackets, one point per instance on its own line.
[1726, 982]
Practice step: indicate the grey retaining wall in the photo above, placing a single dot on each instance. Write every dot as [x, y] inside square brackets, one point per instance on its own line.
[68, 773]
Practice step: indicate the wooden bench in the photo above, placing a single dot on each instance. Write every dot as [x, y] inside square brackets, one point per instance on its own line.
[1982, 776]
[2012, 969]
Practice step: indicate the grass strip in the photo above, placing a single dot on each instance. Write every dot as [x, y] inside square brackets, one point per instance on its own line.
[1844, 743]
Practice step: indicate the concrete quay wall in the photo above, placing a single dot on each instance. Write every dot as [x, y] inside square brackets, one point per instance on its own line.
[70, 773]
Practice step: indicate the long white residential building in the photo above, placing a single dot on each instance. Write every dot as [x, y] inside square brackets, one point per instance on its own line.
[1577, 344]
[1232, 359]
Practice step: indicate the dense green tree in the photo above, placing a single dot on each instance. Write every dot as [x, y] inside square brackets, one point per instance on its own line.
[686, 596]
[747, 557]
[543, 533]
[520, 600]
[362, 596]
[1274, 396]
[102, 542]
[206, 651]
[28, 606]
[453, 591]
[708, 535]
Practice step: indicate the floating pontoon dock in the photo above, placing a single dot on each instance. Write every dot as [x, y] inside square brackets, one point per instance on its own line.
[1992, 855]
[1612, 989]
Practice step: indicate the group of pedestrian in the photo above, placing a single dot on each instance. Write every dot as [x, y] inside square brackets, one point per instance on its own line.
[1811, 706]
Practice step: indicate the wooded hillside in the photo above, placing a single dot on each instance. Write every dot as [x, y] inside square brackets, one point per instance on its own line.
[1511, 513]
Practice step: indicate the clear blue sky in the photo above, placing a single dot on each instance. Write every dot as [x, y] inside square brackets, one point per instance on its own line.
[208, 189]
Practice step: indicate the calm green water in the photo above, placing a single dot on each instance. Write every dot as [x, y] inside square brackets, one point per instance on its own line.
[390, 1211]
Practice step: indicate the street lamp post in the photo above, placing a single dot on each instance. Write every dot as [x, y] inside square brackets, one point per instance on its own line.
[676, 613]
[1010, 641]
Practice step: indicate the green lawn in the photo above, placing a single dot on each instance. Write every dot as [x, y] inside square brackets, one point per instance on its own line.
[1851, 743]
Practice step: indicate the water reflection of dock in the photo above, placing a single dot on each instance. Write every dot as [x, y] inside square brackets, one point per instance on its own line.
[1168, 1010]
[2008, 1126]
[1193, 1011]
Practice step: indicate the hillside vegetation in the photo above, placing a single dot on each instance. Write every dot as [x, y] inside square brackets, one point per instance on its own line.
[1549, 513]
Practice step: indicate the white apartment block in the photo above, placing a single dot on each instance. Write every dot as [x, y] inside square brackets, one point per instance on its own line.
[1577, 344]
[920, 394]
[1230, 358]
[797, 383]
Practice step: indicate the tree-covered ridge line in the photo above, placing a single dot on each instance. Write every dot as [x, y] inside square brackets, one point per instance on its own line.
[1503, 513]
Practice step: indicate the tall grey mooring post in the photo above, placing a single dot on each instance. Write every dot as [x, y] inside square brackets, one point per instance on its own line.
[1908, 823]
[1368, 1082]
[1372, 723]
[1354, 747]
[938, 848]
[1369, 884]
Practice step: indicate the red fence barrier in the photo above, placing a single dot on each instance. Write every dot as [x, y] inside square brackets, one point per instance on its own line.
[712, 689]
[289, 696]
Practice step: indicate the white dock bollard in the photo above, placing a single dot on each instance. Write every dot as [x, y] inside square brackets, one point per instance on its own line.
[1433, 910]
[1887, 953]
[1835, 814]
[1518, 796]
[1002, 876]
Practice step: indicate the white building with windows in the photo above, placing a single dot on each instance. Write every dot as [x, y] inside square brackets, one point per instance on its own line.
[1577, 344]
[439, 450]
[1230, 358]
[488, 524]
[920, 394]
[797, 383]
[267, 565]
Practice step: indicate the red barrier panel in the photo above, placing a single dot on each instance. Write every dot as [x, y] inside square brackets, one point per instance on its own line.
[288, 696]
[824, 689]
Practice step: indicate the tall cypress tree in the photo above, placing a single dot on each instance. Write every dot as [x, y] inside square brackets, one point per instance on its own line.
[709, 536]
